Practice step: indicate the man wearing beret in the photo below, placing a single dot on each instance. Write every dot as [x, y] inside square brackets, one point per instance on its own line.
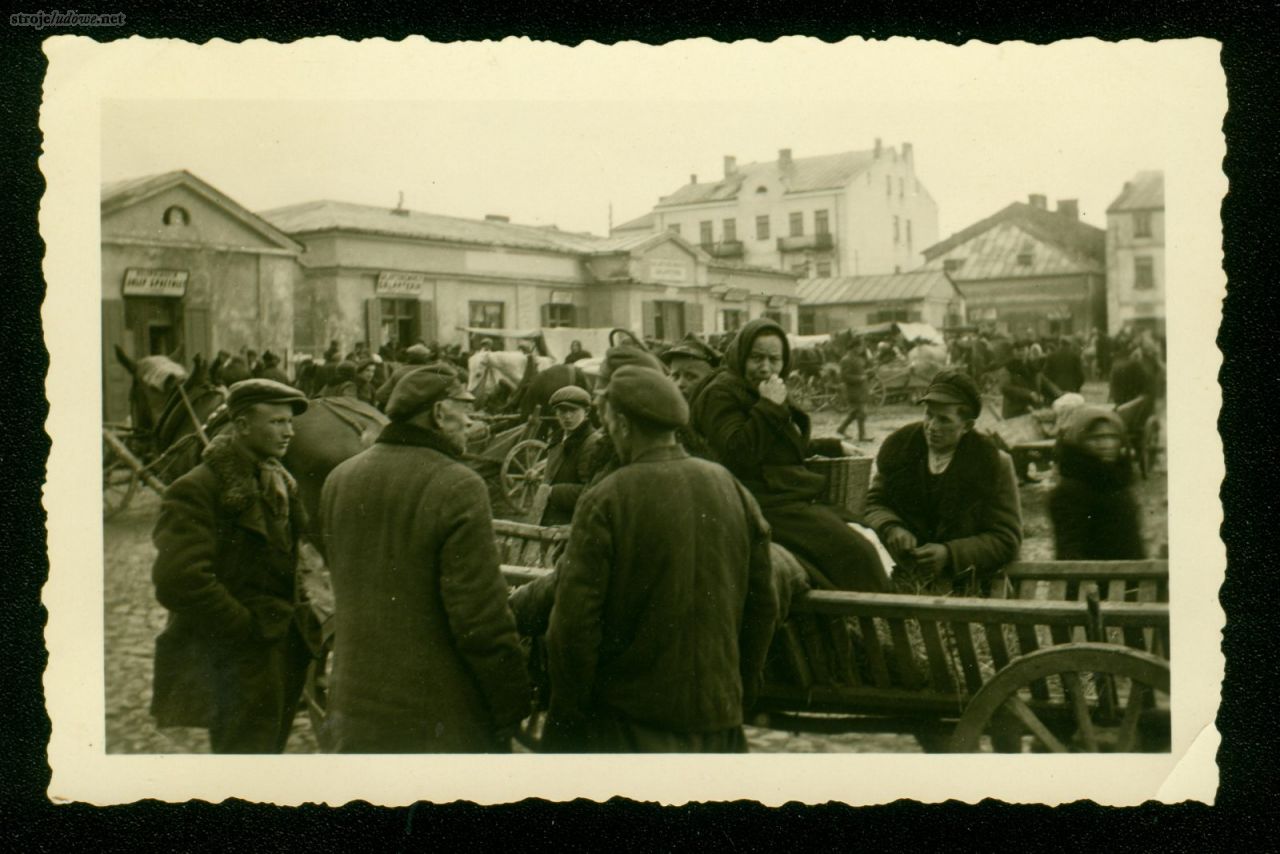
[426, 656]
[232, 655]
[944, 500]
[664, 610]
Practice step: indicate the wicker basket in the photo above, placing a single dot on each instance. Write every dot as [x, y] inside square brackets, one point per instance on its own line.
[848, 479]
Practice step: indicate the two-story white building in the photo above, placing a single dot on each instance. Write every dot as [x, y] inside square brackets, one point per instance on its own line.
[1135, 255]
[848, 214]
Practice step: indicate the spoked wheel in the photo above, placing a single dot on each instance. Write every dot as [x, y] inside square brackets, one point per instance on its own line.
[876, 393]
[1077, 698]
[821, 395]
[119, 483]
[522, 472]
[798, 391]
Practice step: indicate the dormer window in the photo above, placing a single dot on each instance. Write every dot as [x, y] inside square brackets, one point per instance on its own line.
[176, 215]
[761, 189]
[1025, 258]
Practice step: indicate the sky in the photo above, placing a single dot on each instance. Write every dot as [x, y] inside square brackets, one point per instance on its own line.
[989, 126]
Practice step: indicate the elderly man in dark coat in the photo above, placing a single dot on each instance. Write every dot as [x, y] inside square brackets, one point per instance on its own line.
[426, 657]
[744, 414]
[944, 500]
[665, 605]
[235, 648]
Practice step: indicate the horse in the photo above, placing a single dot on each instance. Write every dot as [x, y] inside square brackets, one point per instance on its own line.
[488, 370]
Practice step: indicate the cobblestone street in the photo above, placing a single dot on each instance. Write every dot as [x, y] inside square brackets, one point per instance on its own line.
[133, 618]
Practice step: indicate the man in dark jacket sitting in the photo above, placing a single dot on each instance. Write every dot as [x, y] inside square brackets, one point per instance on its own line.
[663, 611]
[944, 500]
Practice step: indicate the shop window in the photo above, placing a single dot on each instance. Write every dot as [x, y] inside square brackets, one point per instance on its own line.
[1144, 276]
[822, 269]
[820, 223]
[176, 215]
[797, 224]
[555, 315]
[732, 319]
[762, 227]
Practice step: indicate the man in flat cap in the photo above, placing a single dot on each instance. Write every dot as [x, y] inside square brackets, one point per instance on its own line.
[569, 457]
[232, 655]
[944, 500]
[426, 656]
[665, 605]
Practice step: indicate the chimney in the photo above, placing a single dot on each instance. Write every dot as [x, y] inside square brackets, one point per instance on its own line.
[693, 179]
[877, 148]
[730, 165]
[1070, 208]
[497, 218]
[784, 158]
[1038, 201]
[908, 154]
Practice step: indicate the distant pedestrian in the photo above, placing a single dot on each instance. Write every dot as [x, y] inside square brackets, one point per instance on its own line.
[576, 353]
[853, 373]
[1094, 512]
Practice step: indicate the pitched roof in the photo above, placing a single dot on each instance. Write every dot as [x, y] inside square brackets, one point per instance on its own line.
[1144, 192]
[1072, 236]
[129, 191]
[827, 171]
[640, 223]
[883, 288]
[327, 215]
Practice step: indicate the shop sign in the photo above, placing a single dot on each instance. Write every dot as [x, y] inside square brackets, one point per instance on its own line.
[666, 270]
[402, 284]
[561, 298]
[155, 283]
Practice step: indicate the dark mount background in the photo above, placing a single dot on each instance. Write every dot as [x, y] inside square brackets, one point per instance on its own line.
[1248, 716]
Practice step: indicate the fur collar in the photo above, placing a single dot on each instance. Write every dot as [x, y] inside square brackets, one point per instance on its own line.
[238, 473]
[903, 460]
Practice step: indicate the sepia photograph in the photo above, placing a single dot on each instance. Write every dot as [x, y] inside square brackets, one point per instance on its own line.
[578, 411]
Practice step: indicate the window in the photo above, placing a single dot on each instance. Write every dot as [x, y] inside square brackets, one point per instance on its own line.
[730, 230]
[762, 227]
[822, 269]
[484, 315]
[1144, 276]
[704, 230]
[400, 321]
[668, 320]
[808, 322]
[674, 228]
[797, 224]
[1025, 257]
[900, 186]
[800, 268]
[176, 215]
[908, 234]
[950, 265]
[897, 230]
[889, 315]
[820, 225]
[761, 190]
[1142, 224]
[554, 315]
[732, 319]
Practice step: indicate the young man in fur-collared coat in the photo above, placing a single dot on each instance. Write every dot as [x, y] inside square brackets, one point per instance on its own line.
[945, 500]
[234, 652]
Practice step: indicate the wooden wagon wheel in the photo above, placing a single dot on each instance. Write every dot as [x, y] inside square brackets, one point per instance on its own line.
[1106, 690]
[876, 393]
[522, 472]
[821, 394]
[119, 483]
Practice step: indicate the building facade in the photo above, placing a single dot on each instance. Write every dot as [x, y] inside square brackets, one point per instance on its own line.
[857, 302]
[848, 214]
[397, 276]
[1135, 255]
[1027, 269]
[187, 271]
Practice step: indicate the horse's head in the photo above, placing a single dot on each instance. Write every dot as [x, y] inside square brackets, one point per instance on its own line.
[477, 369]
[155, 378]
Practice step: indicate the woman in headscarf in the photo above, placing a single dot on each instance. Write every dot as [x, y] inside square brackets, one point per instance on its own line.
[743, 412]
[1094, 512]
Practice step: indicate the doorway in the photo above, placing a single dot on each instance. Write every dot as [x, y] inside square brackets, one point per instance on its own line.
[155, 323]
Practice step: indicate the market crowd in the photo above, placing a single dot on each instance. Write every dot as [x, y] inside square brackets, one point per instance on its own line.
[680, 475]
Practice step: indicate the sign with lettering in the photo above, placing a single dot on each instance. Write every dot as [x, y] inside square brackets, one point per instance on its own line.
[402, 284]
[155, 283]
[666, 270]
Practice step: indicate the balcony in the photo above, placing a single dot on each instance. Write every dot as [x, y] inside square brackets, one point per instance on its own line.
[805, 241]
[723, 249]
